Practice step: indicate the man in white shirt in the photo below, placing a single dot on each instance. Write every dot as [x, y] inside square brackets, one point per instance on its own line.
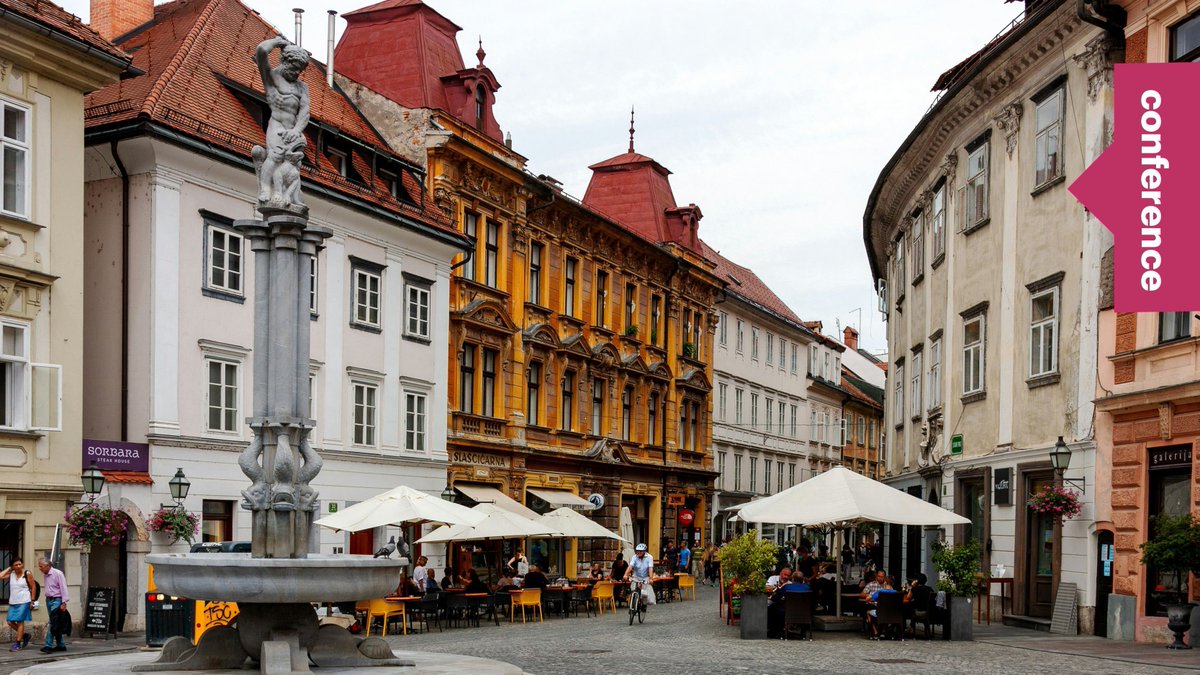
[420, 574]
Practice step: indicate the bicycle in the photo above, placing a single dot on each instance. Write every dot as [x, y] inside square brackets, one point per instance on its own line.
[637, 606]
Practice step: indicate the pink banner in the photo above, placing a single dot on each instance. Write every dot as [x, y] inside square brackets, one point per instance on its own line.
[1145, 187]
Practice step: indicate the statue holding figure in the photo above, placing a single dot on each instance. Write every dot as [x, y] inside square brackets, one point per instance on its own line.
[278, 164]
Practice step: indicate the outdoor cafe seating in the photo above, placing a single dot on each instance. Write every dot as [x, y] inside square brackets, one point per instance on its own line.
[528, 599]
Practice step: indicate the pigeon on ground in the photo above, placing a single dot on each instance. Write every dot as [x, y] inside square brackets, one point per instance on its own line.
[387, 550]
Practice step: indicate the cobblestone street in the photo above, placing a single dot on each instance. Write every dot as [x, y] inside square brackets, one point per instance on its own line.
[689, 637]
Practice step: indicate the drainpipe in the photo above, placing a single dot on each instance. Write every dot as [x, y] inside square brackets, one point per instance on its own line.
[329, 49]
[124, 290]
[1107, 16]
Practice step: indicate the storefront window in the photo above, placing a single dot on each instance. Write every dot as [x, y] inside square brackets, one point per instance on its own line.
[1170, 493]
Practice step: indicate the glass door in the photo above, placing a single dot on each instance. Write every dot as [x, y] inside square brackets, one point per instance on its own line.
[1039, 572]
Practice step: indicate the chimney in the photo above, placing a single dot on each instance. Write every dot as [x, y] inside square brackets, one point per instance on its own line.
[114, 18]
[850, 338]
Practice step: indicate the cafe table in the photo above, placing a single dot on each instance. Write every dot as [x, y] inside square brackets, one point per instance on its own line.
[405, 600]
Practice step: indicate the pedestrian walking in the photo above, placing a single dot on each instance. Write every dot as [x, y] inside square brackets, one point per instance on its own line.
[57, 597]
[685, 558]
[22, 589]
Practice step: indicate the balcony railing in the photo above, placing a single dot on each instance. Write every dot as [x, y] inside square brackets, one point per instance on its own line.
[478, 425]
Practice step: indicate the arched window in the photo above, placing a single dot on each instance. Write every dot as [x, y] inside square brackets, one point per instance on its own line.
[480, 100]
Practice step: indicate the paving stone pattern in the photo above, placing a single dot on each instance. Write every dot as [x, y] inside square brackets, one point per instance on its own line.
[690, 637]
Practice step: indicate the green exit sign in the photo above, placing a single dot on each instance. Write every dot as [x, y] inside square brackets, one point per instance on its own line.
[956, 444]
[333, 507]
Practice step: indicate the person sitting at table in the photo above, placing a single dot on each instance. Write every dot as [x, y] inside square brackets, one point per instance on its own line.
[596, 574]
[431, 584]
[535, 578]
[807, 564]
[447, 578]
[406, 588]
[505, 582]
[776, 607]
[872, 586]
[776, 580]
[474, 584]
[918, 599]
[872, 614]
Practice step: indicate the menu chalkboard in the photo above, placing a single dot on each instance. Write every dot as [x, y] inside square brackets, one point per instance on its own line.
[101, 610]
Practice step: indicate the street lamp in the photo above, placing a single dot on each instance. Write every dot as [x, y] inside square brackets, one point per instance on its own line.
[93, 482]
[179, 486]
[448, 493]
[1060, 459]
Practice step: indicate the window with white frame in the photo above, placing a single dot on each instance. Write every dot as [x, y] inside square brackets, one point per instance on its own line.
[414, 421]
[795, 358]
[782, 354]
[314, 269]
[935, 373]
[417, 310]
[781, 407]
[973, 343]
[795, 410]
[898, 399]
[814, 360]
[15, 164]
[791, 474]
[722, 392]
[367, 284]
[491, 254]
[737, 472]
[365, 395]
[224, 254]
[1047, 151]
[766, 476]
[223, 394]
[32, 392]
[900, 267]
[1174, 326]
[741, 335]
[779, 473]
[937, 222]
[471, 229]
[754, 342]
[975, 207]
[754, 411]
[914, 391]
[753, 473]
[918, 246]
[737, 406]
[724, 332]
[533, 394]
[721, 469]
[770, 349]
[535, 273]
[770, 414]
[1043, 333]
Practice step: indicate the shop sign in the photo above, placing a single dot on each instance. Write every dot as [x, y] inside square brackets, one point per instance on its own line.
[333, 507]
[1002, 487]
[687, 517]
[675, 499]
[596, 499]
[1171, 457]
[956, 444]
[116, 456]
[477, 458]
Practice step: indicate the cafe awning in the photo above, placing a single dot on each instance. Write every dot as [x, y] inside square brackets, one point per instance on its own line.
[488, 494]
[558, 498]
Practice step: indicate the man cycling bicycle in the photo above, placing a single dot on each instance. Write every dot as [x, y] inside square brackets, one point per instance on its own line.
[640, 569]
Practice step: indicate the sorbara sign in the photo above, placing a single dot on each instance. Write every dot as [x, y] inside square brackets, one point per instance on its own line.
[116, 456]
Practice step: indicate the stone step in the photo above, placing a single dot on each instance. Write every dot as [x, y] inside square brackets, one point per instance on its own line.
[1030, 622]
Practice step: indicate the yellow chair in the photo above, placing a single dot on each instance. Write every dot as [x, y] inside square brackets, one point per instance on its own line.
[687, 582]
[602, 592]
[384, 610]
[527, 598]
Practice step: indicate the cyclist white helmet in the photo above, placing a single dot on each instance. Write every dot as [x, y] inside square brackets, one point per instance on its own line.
[640, 547]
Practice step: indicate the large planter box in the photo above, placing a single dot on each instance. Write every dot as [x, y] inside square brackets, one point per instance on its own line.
[962, 619]
[754, 617]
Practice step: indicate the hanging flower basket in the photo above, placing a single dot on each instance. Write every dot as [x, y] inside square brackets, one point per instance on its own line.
[93, 525]
[175, 523]
[1055, 500]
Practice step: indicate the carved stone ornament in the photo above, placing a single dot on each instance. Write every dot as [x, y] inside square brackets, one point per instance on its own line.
[5, 67]
[949, 167]
[1008, 122]
[7, 288]
[924, 200]
[278, 164]
[1096, 62]
[1165, 412]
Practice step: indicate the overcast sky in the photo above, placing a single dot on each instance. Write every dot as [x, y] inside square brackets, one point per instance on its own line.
[775, 116]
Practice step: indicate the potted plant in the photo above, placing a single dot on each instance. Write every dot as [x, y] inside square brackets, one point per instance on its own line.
[1174, 548]
[689, 350]
[748, 561]
[654, 336]
[1055, 500]
[93, 525]
[959, 577]
[631, 331]
[175, 523]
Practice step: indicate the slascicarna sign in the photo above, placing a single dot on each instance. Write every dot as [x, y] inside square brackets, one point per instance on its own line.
[116, 456]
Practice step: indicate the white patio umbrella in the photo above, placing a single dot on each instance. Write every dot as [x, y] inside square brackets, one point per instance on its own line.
[841, 498]
[571, 523]
[397, 506]
[496, 524]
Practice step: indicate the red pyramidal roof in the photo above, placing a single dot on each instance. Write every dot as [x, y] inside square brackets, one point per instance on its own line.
[634, 190]
[201, 81]
[406, 50]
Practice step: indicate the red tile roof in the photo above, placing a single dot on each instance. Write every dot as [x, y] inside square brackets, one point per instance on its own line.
[129, 477]
[56, 18]
[633, 190]
[196, 53]
[861, 390]
[745, 283]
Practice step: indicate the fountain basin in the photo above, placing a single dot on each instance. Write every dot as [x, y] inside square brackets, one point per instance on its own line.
[236, 577]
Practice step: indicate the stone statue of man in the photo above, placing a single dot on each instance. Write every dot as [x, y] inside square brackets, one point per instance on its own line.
[278, 164]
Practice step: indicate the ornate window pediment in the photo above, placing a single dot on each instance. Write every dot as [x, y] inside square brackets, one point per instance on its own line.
[606, 354]
[576, 345]
[659, 370]
[694, 378]
[542, 334]
[608, 450]
[488, 315]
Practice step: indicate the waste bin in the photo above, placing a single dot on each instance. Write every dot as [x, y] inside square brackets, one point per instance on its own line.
[168, 616]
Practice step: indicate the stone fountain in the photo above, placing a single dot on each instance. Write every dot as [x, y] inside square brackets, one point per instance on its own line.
[275, 584]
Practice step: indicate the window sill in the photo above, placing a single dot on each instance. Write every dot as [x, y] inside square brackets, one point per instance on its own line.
[918, 279]
[976, 227]
[1043, 380]
[366, 328]
[418, 339]
[916, 418]
[899, 425]
[934, 412]
[1047, 185]
[21, 433]
[313, 316]
[222, 295]
[937, 262]
[972, 398]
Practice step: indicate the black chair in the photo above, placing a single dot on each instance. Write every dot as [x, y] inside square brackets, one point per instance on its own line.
[578, 597]
[924, 611]
[430, 609]
[499, 603]
[797, 614]
[458, 608]
[890, 613]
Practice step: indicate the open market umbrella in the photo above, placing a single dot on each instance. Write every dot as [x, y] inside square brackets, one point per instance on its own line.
[397, 506]
[841, 498]
[496, 524]
[571, 523]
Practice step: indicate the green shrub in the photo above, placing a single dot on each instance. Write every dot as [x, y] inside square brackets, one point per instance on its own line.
[958, 568]
[1175, 546]
[748, 561]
